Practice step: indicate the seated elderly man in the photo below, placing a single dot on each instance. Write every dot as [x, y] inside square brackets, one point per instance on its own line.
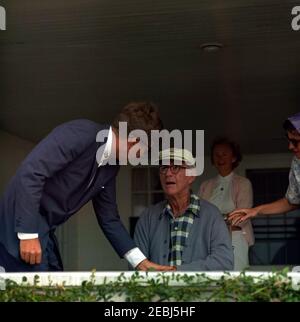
[183, 231]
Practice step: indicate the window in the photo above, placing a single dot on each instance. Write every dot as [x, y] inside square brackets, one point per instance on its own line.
[277, 237]
[146, 191]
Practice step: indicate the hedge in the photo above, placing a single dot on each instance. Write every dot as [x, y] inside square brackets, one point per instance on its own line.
[277, 287]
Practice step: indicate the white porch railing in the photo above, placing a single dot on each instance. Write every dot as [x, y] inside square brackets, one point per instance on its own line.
[76, 278]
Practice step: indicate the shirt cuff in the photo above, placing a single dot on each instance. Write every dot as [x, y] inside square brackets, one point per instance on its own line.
[134, 257]
[23, 236]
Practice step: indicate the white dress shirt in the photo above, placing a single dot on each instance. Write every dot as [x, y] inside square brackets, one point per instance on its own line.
[133, 256]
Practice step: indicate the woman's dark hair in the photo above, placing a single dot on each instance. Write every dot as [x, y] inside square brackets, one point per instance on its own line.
[139, 115]
[288, 126]
[235, 148]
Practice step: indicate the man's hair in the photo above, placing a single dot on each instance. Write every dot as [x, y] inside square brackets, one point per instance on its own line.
[235, 148]
[139, 116]
[288, 126]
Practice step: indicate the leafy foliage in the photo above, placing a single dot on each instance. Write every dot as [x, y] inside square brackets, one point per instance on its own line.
[144, 288]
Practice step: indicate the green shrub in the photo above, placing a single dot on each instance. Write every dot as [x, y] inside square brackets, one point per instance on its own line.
[162, 287]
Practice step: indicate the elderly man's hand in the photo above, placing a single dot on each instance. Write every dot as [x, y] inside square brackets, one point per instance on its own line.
[240, 215]
[31, 251]
[146, 265]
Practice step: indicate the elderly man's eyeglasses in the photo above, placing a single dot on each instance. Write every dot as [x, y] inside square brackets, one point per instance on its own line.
[173, 168]
[294, 142]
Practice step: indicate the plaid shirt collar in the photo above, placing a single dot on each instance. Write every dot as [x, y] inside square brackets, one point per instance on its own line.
[194, 207]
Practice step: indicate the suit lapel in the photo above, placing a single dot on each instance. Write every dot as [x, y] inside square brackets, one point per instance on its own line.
[95, 168]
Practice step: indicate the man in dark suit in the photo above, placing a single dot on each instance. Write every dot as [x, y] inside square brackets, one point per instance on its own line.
[59, 176]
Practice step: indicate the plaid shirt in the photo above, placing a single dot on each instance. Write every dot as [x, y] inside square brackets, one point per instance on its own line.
[180, 228]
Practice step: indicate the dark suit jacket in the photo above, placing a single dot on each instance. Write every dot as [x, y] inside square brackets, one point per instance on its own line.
[55, 180]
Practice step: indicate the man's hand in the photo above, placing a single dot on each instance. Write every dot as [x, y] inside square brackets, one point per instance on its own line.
[146, 265]
[240, 215]
[31, 251]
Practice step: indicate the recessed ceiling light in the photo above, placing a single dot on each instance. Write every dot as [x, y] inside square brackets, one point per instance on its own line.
[211, 47]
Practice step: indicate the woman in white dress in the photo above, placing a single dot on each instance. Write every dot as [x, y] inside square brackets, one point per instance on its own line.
[229, 191]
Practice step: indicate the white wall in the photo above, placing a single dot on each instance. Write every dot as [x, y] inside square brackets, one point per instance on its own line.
[13, 151]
